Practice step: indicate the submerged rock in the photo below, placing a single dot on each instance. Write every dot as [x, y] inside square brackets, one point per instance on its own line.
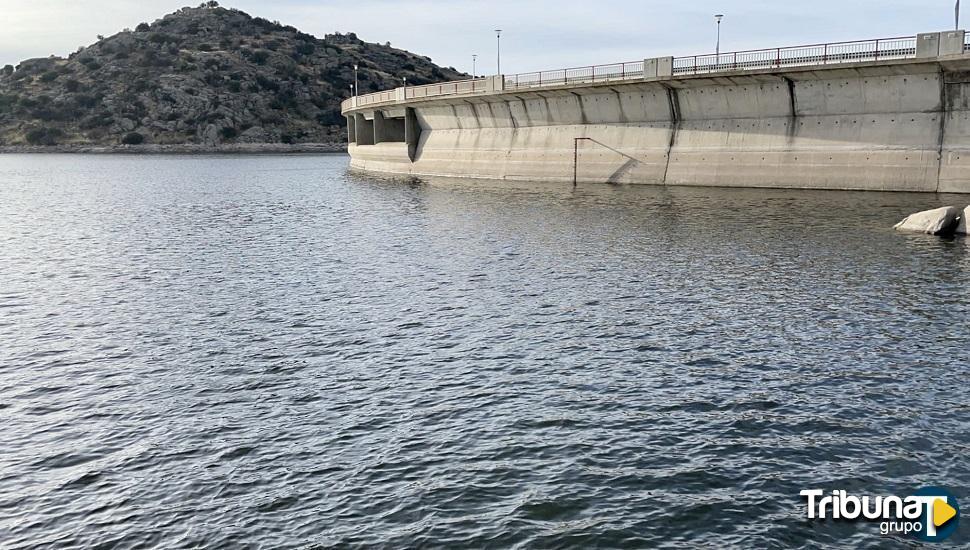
[941, 221]
[962, 226]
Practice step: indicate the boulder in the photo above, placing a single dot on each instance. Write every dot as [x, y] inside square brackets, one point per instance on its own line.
[210, 135]
[257, 134]
[941, 221]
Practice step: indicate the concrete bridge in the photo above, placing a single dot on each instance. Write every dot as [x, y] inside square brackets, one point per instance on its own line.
[889, 114]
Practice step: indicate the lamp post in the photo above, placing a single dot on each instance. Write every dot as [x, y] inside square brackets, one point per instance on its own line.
[498, 50]
[405, 87]
[718, 18]
[474, 62]
[957, 16]
[356, 85]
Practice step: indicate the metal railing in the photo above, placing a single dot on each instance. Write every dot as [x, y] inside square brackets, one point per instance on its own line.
[591, 73]
[377, 97]
[816, 54]
[447, 88]
[454, 87]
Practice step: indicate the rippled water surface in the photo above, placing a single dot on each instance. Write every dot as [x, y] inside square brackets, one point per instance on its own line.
[243, 352]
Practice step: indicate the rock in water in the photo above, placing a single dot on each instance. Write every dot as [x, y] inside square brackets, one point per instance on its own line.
[962, 227]
[941, 221]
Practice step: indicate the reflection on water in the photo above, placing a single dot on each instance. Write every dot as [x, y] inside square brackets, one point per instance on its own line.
[235, 351]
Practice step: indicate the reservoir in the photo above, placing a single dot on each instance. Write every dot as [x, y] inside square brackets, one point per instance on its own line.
[270, 351]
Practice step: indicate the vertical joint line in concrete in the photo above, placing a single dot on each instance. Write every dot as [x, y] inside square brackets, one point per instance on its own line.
[793, 109]
[792, 101]
[412, 133]
[478, 121]
[673, 102]
[619, 106]
[454, 113]
[515, 123]
[942, 137]
[582, 110]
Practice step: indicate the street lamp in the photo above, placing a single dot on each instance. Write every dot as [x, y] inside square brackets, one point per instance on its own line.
[957, 9]
[718, 18]
[356, 85]
[405, 87]
[498, 50]
[474, 62]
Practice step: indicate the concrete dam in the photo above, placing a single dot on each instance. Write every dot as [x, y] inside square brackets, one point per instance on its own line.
[885, 115]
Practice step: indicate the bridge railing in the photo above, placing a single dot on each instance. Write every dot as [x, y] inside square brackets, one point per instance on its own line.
[378, 97]
[591, 73]
[447, 88]
[454, 87]
[815, 54]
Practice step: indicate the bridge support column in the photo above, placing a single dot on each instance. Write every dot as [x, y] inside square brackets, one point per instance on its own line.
[363, 130]
[378, 127]
[412, 132]
[351, 128]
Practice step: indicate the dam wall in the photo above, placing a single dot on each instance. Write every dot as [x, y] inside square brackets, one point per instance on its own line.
[897, 124]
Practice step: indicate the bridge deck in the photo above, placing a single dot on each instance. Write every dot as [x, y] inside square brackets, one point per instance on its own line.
[861, 51]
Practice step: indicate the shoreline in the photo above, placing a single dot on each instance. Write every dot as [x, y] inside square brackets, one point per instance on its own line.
[181, 149]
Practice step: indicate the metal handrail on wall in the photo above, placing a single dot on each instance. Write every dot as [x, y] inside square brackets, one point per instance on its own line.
[591, 73]
[815, 54]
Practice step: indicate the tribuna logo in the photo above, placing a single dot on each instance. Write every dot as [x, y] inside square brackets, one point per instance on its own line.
[930, 514]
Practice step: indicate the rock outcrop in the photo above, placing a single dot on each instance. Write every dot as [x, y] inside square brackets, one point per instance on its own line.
[940, 221]
[205, 75]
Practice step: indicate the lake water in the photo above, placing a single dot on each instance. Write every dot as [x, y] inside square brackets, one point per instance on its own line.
[244, 352]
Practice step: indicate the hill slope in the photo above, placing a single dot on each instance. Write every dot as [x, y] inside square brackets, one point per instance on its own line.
[205, 75]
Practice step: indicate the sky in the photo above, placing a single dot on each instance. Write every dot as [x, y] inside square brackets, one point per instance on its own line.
[536, 34]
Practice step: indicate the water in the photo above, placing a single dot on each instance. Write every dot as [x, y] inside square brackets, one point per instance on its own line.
[246, 352]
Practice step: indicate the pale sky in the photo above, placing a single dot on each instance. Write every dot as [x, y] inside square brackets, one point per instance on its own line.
[537, 34]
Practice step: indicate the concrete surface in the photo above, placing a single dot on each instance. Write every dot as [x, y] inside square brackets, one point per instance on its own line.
[900, 125]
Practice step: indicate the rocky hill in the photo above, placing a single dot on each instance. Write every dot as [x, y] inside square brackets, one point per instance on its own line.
[205, 75]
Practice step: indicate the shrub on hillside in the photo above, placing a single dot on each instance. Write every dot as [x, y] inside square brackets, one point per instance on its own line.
[44, 136]
[133, 138]
[7, 102]
[161, 38]
[259, 57]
